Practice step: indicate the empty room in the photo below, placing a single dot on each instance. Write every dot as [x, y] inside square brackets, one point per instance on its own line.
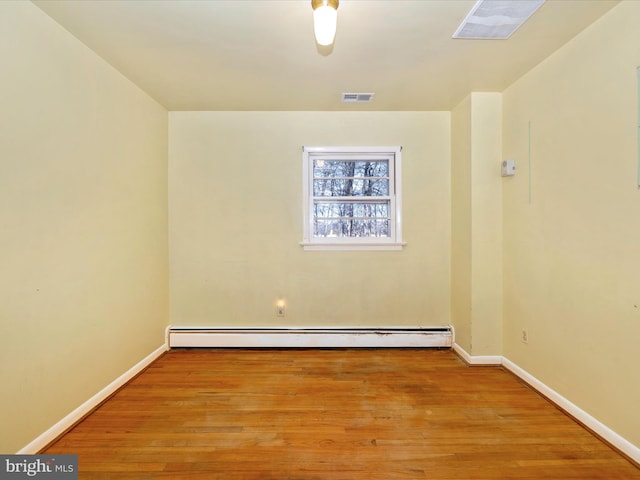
[295, 239]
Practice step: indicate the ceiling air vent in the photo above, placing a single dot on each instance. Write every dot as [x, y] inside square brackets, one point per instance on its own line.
[496, 19]
[357, 97]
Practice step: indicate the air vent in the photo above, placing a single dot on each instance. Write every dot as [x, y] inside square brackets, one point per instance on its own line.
[496, 19]
[357, 97]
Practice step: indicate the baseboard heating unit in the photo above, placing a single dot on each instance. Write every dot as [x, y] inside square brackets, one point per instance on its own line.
[309, 337]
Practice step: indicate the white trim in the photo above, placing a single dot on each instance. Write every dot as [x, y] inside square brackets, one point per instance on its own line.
[344, 247]
[419, 337]
[572, 409]
[486, 360]
[76, 415]
[342, 149]
[622, 444]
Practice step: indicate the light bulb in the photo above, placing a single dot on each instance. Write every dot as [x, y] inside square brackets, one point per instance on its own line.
[325, 19]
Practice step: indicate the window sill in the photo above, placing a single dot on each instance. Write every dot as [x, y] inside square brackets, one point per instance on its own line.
[350, 247]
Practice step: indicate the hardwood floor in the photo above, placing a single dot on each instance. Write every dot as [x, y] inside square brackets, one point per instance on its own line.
[333, 414]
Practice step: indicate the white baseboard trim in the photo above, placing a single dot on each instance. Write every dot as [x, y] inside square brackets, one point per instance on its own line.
[600, 429]
[76, 415]
[485, 360]
[355, 337]
[572, 409]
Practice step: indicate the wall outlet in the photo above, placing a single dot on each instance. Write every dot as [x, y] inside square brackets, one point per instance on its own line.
[280, 309]
[525, 336]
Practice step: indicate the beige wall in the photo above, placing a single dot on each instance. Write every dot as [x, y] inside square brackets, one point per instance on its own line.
[461, 216]
[83, 212]
[486, 223]
[572, 253]
[476, 240]
[83, 208]
[236, 222]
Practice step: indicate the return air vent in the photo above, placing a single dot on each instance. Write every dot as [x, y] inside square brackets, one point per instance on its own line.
[357, 97]
[496, 19]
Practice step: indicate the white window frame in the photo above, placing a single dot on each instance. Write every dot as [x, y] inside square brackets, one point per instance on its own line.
[394, 242]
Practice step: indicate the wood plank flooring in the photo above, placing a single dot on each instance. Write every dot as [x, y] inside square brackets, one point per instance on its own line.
[333, 414]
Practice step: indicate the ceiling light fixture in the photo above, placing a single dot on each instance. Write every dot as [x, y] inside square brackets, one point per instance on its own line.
[325, 20]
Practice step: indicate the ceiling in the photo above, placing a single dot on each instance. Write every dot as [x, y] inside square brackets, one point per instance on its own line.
[261, 54]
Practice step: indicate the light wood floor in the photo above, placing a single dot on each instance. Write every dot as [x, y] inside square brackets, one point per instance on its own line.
[333, 414]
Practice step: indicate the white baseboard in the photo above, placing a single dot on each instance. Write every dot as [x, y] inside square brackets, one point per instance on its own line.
[485, 360]
[572, 409]
[378, 337]
[613, 438]
[76, 415]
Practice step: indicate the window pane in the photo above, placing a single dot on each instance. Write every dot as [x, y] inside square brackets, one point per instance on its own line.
[351, 219]
[352, 187]
[332, 178]
[350, 168]
[347, 178]
[351, 209]
[327, 228]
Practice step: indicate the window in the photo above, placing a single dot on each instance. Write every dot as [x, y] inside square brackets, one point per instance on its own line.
[352, 198]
